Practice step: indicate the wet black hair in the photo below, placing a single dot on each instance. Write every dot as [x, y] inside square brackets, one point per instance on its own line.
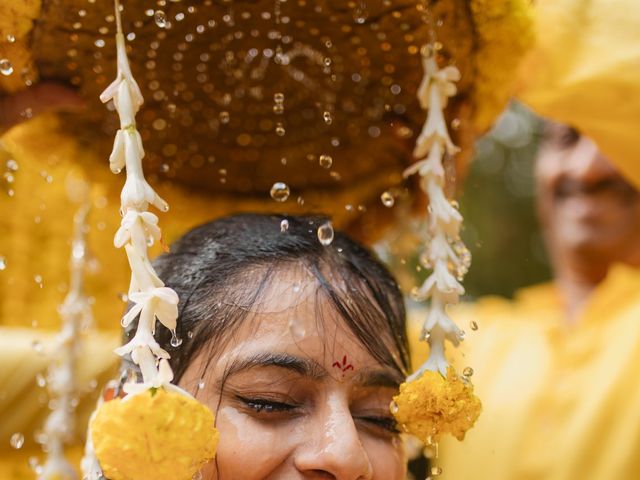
[220, 270]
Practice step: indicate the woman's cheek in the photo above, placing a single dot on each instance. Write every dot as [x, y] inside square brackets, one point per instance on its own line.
[387, 458]
[248, 449]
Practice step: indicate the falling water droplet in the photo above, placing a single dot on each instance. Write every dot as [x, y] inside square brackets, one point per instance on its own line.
[280, 131]
[393, 407]
[284, 225]
[3, 263]
[360, 13]
[467, 372]
[325, 233]
[175, 341]
[474, 325]
[327, 117]
[5, 66]
[189, 334]
[160, 18]
[326, 161]
[17, 441]
[280, 191]
[296, 328]
[197, 476]
[11, 38]
[12, 165]
[37, 346]
[34, 463]
[387, 199]
[462, 334]
[224, 117]
[436, 471]
[41, 380]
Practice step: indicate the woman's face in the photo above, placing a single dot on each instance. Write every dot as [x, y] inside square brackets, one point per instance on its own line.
[296, 396]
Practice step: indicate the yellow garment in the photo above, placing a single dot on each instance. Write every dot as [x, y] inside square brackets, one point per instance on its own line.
[559, 402]
[585, 71]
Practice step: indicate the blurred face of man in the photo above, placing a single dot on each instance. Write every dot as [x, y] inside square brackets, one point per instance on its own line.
[589, 213]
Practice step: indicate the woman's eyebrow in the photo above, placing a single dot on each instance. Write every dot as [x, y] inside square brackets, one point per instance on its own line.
[302, 366]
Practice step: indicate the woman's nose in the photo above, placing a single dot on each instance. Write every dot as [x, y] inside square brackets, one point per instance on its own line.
[333, 449]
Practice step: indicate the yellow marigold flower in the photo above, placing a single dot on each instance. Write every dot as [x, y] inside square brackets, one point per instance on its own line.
[505, 32]
[157, 434]
[432, 405]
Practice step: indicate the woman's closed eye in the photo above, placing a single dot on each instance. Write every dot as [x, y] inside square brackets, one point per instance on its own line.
[264, 405]
[382, 422]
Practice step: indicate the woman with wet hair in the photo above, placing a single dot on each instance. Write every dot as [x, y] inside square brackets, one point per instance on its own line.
[296, 346]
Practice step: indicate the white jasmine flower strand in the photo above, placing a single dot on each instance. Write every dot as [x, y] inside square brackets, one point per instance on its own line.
[139, 229]
[444, 253]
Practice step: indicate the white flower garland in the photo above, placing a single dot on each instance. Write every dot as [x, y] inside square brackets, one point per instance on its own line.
[139, 230]
[444, 253]
[76, 316]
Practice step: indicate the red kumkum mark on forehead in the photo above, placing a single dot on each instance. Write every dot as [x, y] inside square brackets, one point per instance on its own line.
[343, 366]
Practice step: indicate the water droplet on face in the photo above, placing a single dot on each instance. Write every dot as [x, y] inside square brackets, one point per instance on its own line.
[467, 372]
[160, 18]
[284, 225]
[326, 161]
[17, 441]
[325, 233]
[175, 341]
[5, 67]
[280, 192]
[387, 199]
[201, 384]
[296, 328]
[393, 407]
[474, 325]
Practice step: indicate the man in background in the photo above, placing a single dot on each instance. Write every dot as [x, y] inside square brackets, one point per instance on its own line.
[556, 368]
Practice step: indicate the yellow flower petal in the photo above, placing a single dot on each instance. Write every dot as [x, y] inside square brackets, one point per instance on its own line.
[433, 405]
[157, 434]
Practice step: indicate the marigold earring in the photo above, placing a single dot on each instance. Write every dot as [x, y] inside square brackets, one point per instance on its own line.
[157, 430]
[435, 400]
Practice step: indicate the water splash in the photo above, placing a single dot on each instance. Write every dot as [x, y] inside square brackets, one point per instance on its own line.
[280, 192]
